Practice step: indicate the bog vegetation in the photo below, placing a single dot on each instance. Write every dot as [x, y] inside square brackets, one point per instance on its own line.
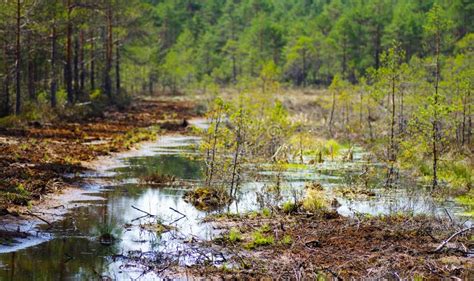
[399, 74]
[286, 85]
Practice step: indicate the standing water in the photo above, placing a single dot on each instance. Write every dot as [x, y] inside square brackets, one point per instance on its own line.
[74, 247]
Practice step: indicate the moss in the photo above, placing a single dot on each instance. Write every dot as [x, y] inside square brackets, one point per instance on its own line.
[287, 240]
[259, 239]
[289, 207]
[235, 235]
[266, 213]
[207, 198]
[17, 195]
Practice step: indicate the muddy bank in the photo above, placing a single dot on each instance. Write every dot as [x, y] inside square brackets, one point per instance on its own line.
[305, 246]
[40, 158]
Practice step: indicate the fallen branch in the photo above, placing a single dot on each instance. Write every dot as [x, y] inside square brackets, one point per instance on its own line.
[38, 217]
[178, 219]
[173, 209]
[145, 212]
[441, 246]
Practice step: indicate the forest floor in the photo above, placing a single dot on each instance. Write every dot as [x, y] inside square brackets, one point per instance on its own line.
[307, 246]
[39, 158]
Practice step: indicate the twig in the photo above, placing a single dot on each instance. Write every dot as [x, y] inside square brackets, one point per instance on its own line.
[173, 209]
[143, 211]
[449, 215]
[38, 217]
[178, 219]
[140, 217]
[451, 237]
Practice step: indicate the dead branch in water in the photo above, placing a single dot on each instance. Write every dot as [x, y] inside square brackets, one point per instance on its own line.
[38, 217]
[173, 209]
[145, 212]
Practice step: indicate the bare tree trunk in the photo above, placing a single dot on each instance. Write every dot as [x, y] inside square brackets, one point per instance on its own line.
[401, 118]
[235, 164]
[108, 54]
[6, 81]
[82, 66]
[53, 86]
[77, 93]
[331, 116]
[31, 72]
[391, 152]
[435, 122]
[18, 59]
[92, 64]
[117, 69]
[68, 65]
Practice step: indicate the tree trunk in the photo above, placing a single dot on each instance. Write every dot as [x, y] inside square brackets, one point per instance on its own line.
[68, 65]
[392, 153]
[108, 54]
[435, 125]
[331, 116]
[6, 81]
[82, 66]
[18, 59]
[53, 86]
[31, 73]
[92, 64]
[77, 93]
[117, 69]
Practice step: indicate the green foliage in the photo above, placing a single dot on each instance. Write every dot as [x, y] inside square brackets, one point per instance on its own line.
[259, 239]
[235, 235]
[287, 240]
[289, 207]
[266, 212]
[254, 116]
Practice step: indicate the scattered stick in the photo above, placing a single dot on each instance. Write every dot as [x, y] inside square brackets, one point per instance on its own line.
[140, 217]
[38, 217]
[173, 209]
[441, 246]
[178, 219]
[449, 215]
[145, 212]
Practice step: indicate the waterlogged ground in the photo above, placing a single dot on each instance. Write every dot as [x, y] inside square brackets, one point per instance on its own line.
[117, 202]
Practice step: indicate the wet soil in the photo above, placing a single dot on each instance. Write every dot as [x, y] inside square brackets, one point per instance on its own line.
[41, 158]
[306, 246]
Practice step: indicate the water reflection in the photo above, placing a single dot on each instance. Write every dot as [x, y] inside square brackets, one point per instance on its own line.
[75, 253]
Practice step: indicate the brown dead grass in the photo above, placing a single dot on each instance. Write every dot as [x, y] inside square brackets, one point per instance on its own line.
[335, 247]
